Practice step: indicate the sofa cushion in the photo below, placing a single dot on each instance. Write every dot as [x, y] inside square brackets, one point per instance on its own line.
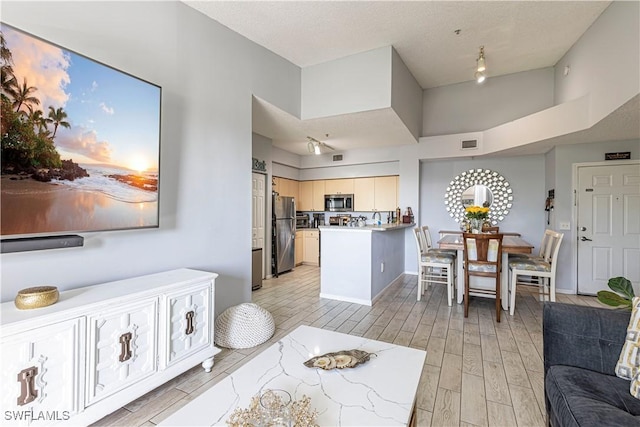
[579, 397]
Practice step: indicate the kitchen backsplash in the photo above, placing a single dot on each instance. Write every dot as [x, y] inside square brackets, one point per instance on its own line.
[369, 215]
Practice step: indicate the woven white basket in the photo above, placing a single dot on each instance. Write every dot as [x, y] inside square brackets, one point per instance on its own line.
[244, 326]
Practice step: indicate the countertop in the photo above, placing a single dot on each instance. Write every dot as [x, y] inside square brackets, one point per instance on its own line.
[381, 227]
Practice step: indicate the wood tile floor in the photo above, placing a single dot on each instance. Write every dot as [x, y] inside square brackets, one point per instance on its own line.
[477, 372]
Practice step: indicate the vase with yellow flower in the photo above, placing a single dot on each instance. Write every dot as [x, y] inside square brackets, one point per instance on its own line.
[476, 215]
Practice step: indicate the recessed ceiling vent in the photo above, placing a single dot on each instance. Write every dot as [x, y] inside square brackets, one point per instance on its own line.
[469, 144]
[337, 157]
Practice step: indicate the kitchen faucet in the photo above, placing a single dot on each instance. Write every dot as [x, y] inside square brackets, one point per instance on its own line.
[373, 217]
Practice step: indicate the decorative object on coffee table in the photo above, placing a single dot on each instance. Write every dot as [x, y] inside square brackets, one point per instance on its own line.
[244, 326]
[262, 406]
[340, 359]
[39, 296]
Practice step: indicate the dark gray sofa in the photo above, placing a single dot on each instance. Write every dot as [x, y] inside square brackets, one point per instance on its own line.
[581, 348]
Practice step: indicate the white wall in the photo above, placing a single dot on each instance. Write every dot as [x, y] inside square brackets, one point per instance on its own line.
[470, 107]
[406, 96]
[208, 74]
[604, 63]
[564, 156]
[360, 82]
[351, 171]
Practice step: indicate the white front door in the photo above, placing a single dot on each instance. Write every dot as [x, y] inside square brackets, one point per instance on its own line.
[608, 209]
[258, 214]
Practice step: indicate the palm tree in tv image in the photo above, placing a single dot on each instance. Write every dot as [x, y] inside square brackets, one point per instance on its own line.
[27, 145]
[57, 116]
[39, 122]
[9, 83]
[24, 96]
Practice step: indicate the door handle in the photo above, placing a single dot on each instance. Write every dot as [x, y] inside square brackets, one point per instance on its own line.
[584, 239]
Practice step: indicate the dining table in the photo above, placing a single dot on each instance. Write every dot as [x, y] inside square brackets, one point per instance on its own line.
[512, 243]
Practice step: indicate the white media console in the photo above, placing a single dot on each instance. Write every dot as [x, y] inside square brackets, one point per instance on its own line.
[100, 347]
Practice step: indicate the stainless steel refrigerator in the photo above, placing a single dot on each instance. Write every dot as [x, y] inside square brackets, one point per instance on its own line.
[284, 233]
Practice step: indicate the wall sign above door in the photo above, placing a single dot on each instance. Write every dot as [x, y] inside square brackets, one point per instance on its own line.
[258, 165]
[622, 155]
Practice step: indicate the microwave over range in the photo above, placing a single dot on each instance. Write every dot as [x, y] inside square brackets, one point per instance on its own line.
[338, 202]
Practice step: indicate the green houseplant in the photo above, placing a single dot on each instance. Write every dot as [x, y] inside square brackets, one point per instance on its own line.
[623, 295]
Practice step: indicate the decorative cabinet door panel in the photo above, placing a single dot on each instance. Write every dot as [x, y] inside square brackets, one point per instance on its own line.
[122, 348]
[40, 375]
[189, 318]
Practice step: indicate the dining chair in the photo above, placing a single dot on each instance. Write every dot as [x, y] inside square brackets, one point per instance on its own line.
[539, 271]
[428, 242]
[434, 266]
[546, 240]
[490, 229]
[482, 258]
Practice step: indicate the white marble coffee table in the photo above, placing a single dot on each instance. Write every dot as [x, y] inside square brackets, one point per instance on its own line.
[381, 392]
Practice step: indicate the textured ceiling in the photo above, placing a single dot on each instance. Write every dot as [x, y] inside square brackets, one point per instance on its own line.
[518, 36]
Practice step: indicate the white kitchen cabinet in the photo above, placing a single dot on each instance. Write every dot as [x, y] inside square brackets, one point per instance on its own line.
[101, 347]
[41, 371]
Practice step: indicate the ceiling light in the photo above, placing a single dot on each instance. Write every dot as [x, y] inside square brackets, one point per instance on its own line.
[313, 146]
[480, 74]
[481, 65]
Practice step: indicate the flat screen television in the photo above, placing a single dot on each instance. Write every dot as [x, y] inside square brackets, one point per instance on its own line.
[80, 142]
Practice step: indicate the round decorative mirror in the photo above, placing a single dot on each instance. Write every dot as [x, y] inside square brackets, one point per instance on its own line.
[479, 187]
[477, 195]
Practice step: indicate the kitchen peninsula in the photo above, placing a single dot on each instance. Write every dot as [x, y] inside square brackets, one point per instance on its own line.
[358, 263]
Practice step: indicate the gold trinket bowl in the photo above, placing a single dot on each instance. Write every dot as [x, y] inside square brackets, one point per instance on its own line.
[39, 296]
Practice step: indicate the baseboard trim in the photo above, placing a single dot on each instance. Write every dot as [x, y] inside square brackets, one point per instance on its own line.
[346, 299]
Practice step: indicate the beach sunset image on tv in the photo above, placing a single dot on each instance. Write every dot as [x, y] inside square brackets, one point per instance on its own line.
[80, 142]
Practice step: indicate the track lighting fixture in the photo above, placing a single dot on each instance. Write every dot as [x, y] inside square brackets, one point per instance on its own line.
[481, 67]
[315, 147]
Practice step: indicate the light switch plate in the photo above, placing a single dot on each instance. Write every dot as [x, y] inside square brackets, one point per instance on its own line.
[565, 226]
